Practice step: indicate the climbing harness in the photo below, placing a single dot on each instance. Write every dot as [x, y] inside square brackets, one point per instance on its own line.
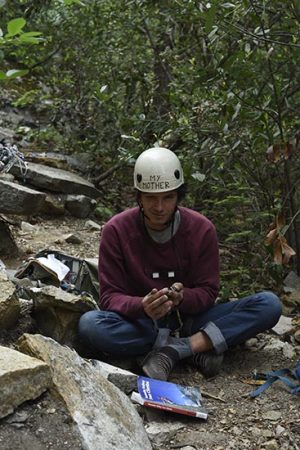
[9, 156]
[291, 378]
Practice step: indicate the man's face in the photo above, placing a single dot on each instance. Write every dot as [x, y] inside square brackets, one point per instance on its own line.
[158, 208]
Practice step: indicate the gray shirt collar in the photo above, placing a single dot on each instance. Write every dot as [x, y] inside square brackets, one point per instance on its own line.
[166, 234]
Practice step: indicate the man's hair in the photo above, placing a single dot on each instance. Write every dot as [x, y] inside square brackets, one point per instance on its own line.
[181, 192]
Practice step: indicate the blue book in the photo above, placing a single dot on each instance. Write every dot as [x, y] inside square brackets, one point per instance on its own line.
[170, 397]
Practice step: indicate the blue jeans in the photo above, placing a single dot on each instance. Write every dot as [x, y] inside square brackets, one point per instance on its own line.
[226, 324]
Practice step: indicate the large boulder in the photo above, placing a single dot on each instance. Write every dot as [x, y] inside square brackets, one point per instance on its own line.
[8, 246]
[57, 312]
[17, 199]
[9, 303]
[122, 378]
[22, 378]
[104, 416]
[56, 180]
[80, 205]
[54, 205]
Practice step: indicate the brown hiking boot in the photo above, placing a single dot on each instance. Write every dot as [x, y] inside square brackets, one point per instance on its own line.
[159, 363]
[209, 363]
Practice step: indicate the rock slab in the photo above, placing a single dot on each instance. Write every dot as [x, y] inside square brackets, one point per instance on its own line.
[9, 303]
[8, 246]
[22, 378]
[17, 199]
[125, 380]
[57, 180]
[57, 312]
[104, 416]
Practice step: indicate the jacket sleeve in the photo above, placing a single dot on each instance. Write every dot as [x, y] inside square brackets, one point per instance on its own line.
[201, 294]
[114, 287]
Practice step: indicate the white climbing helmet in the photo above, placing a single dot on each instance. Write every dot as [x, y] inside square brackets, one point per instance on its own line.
[157, 170]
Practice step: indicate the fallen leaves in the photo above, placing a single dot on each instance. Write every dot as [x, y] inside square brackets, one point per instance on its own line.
[275, 238]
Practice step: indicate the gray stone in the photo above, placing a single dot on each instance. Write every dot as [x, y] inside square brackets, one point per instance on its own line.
[236, 430]
[283, 326]
[80, 206]
[54, 205]
[162, 432]
[9, 303]
[203, 438]
[123, 379]
[8, 246]
[266, 433]
[292, 280]
[104, 416]
[10, 118]
[270, 445]
[294, 298]
[50, 159]
[79, 163]
[22, 378]
[28, 227]
[93, 226]
[6, 133]
[255, 431]
[288, 351]
[251, 343]
[272, 415]
[285, 347]
[274, 344]
[17, 199]
[279, 430]
[72, 239]
[7, 176]
[18, 417]
[287, 289]
[187, 447]
[57, 312]
[57, 180]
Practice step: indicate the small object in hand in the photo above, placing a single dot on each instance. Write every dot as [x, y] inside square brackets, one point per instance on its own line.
[172, 289]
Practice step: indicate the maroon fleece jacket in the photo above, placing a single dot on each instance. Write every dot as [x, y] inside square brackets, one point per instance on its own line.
[131, 263]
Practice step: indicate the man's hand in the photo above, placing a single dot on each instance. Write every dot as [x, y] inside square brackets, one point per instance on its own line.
[175, 293]
[157, 304]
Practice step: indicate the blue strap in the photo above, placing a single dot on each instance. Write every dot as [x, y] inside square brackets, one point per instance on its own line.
[296, 390]
[297, 375]
[297, 370]
[280, 375]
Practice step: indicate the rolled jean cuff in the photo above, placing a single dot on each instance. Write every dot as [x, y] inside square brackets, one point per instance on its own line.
[215, 335]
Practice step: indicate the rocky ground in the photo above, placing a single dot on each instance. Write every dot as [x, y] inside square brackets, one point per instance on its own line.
[270, 421]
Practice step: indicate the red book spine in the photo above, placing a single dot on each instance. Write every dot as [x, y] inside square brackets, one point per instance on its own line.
[170, 408]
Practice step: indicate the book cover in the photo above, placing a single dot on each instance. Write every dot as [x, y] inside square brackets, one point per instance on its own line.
[170, 397]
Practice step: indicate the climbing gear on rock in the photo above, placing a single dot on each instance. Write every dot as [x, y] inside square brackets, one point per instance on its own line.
[9, 156]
